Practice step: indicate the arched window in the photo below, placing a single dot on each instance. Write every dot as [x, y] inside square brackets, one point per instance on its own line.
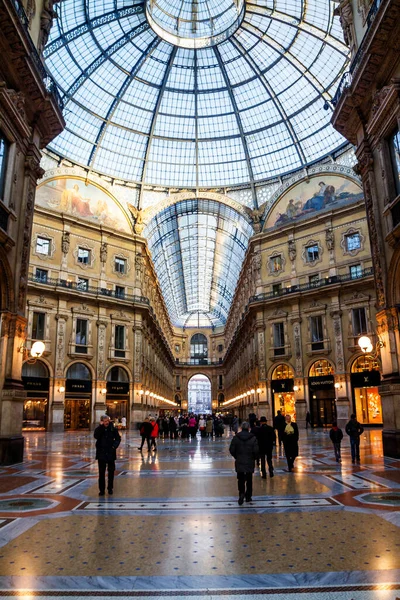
[38, 369]
[282, 372]
[320, 368]
[198, 346]
[79, 371]
[199, 395]
[365, 363]
[118, 374]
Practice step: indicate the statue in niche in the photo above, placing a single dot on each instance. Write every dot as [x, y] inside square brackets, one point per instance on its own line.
[65, 242]
[46, 22]
[103, 252]
[329, 238]
[292, 250]
[137, 217]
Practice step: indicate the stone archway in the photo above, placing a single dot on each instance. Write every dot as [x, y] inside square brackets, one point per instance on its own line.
[199, 394]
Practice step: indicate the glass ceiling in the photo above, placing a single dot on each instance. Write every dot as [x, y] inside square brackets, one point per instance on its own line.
[236, 112]
[198, 248]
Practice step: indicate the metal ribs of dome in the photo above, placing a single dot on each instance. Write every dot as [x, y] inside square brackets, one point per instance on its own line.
[249, 108]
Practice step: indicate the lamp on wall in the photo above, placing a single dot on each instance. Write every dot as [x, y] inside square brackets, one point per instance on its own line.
[367, 346]
[61, 389]
[296, 388]
[35, 352]
[103, 391]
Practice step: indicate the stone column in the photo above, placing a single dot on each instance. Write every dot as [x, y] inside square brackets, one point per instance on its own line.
[58, 404]
[342, 400]
[300, 400]
[98, 399]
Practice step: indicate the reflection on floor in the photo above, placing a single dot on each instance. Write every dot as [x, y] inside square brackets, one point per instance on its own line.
[173, 526]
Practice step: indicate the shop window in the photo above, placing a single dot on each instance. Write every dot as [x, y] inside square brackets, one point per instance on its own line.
[79, 371]
[38, 322]
[312, 253]
[82, 284]
[43, 246]
[278, 333]
[277, 289]
[317, 333]
[3, 163]
[118, 374]
[355, 271]
[394, 143]
[83, 256]
[119, 351]
[120, 265]
[41, 275]
[321, 368]
[119, 291]
[359, 320]
[81, 336]
[276, 263]
[282, 372]
[353, 242]
[313, 280]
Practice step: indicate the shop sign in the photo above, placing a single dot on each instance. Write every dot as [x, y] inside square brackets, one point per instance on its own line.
[325, 382]
[366, 379]
[78, 386]
[36, 384]
[282, 385]
[117, 387]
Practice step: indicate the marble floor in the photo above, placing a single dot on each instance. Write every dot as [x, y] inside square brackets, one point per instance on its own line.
[173, 527]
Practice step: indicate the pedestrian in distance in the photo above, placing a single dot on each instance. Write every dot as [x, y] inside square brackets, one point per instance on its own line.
[107, 441]
[244, 449]
[336, 435]
[354, 431]
[153, 434]
[235, 424]
[265, 437]
[279, 426]
[290, 442]
[145, 431]
[308, 420]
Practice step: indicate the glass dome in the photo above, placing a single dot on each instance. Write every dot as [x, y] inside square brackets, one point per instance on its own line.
[246, 106]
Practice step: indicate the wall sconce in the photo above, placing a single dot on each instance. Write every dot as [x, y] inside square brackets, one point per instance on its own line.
[141, 392]
[252, 391]
[61, 389]
[258, 390]
[103, 391]
[338, 386]
[36, 351]
[296, 388]
[367, 346]
[147, 392]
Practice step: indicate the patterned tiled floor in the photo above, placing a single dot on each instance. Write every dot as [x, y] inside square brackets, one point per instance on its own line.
[173, 526]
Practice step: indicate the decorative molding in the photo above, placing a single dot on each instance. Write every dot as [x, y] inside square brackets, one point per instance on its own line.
[273, 265]
[312, 263]
[92, 257]
[343, 244]
[46, 236]
[127, 265]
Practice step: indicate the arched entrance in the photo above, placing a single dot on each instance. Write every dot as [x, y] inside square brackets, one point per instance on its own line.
[282, 382]
[35, 378]
[117, 395]
[322, 393]
[365, 379]
[199, 395]
[78, 393]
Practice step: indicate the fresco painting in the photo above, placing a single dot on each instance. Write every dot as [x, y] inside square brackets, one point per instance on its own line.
[324, 192]
[74, 197]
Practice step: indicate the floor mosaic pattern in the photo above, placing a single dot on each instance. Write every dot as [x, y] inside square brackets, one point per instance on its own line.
[173, 527]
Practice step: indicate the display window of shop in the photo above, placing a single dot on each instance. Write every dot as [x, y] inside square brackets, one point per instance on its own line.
[365, 379]
[282, 382]
[322, 397]
[35, 377]
[78, 391]
[118, 396]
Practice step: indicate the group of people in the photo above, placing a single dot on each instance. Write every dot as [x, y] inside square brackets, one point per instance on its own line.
[253, 443]
[183, 426]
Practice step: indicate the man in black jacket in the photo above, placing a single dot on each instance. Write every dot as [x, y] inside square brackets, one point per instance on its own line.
[279, 425]
[265, 437]
[107, 441]
[244, 449]
[354, 431]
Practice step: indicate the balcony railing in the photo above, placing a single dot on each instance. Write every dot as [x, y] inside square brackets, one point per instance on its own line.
[92, 290]
[304, 287]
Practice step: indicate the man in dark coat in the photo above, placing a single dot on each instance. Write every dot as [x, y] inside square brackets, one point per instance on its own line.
[107, 441]
[265, 437]
[290, 441]
[244, 449]
[354, 431]
[279, 425]
[145, 431]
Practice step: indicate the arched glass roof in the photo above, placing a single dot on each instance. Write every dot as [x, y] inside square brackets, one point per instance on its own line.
[236, 111]
[198, 248]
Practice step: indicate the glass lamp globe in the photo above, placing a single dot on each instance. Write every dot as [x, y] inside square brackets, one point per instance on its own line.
[37, 349]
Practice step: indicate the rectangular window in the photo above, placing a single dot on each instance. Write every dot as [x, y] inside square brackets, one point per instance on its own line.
[220, 347]
[41, 275]
[313, 280]
[355, 271]
[42, 246]
[359, 317]
[220, 381]
[353, 242]
[277, 289]
[38, 326]
[178, 382]
[119, 341]
[312, 253]
[83, 256]
[317, 333]
[278, 332]
[120, 265]
[81, 337]
[3, 163]
[394, 143]
[275, 263]
[119, 291]
[82, 284]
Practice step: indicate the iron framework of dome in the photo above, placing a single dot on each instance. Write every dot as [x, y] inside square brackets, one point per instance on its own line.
[244, 103]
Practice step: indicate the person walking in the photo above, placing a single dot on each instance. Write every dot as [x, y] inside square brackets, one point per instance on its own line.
[244, 449]
[279, 425]
[173, 428]
[107, 441]
[235, 424]
[145, 431]
[154, 433]
[354, 430]
[308, 420]
[209, 427]
[290, 438]
[336, 435]
[265, 437]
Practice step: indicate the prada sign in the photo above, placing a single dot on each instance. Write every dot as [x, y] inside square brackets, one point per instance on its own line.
[36, 384]
[325, 382]
[117, 387]
[78, 386]
[282, 385]
[366, 379]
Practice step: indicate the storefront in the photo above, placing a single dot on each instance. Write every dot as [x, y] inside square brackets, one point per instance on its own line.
[282, 383]
[117, 399]
[35, 378]
[78, 394]
[365, 378]
[321, 387]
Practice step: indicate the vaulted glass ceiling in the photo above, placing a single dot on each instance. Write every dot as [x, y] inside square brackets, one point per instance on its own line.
[198, 248]
[248, 108]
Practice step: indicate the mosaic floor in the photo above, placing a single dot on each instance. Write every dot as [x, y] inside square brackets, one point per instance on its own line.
[173, 527]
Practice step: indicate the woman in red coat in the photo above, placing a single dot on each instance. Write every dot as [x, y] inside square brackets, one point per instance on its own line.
[154, 433]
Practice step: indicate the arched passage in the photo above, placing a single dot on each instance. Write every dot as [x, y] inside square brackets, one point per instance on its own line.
[199, 395]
